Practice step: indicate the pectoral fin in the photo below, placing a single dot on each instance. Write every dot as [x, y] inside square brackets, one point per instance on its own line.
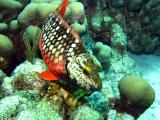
[47, 75]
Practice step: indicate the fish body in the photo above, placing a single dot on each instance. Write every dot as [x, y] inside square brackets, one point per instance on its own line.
[64, 53]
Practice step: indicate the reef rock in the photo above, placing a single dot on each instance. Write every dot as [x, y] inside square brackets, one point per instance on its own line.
[45, 110]
[86, 113]
[12, 105]
[25, 77]
[113, 115]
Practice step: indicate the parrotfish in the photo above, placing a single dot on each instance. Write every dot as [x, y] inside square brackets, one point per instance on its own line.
[64, 53]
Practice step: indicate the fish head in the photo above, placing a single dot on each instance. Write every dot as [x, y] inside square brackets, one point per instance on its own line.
[84, 72]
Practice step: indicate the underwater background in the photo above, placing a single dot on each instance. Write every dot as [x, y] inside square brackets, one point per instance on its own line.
[122, 37]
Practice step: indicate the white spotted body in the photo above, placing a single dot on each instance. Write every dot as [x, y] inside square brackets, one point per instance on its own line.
[58, 40]
[59, 44]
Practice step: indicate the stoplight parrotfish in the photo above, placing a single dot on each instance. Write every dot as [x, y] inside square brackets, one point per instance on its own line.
[64, 54]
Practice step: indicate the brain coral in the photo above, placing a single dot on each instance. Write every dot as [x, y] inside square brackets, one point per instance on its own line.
[136, 92]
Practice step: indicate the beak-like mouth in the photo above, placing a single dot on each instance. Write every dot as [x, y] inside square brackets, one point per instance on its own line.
[97, 88]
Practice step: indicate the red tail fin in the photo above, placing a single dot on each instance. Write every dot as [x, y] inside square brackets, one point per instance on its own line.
[63, 8]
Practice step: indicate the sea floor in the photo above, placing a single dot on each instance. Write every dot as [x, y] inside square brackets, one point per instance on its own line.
[150, 67]
[149, 64]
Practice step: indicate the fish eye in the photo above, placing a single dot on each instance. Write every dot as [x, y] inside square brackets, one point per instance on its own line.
[86, 72]
[86, 69]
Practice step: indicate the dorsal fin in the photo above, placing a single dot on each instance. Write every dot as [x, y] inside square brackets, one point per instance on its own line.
[62, 7]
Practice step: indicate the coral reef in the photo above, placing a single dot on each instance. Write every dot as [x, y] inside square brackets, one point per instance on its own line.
[21, 22]
[30, 38]
[6, 48]
[108, 29]
[25, 78]
[45, 109]
[138, 18]
[13, 26]
[100, 25]
[86, 113]
[10, 106]
[11, 4]
[2, 76]
[98, 101]
[67, 98]
[120, 62]
[113, 115]
[35, 13]
[3, 26]
[26, 90]
[77, 17]
[118, 39]
[103, 53]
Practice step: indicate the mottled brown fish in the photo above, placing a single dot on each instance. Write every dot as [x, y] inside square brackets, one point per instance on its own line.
[64, 53]
[56, 92]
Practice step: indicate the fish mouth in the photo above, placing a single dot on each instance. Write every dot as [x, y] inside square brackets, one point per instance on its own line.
[96, 88]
